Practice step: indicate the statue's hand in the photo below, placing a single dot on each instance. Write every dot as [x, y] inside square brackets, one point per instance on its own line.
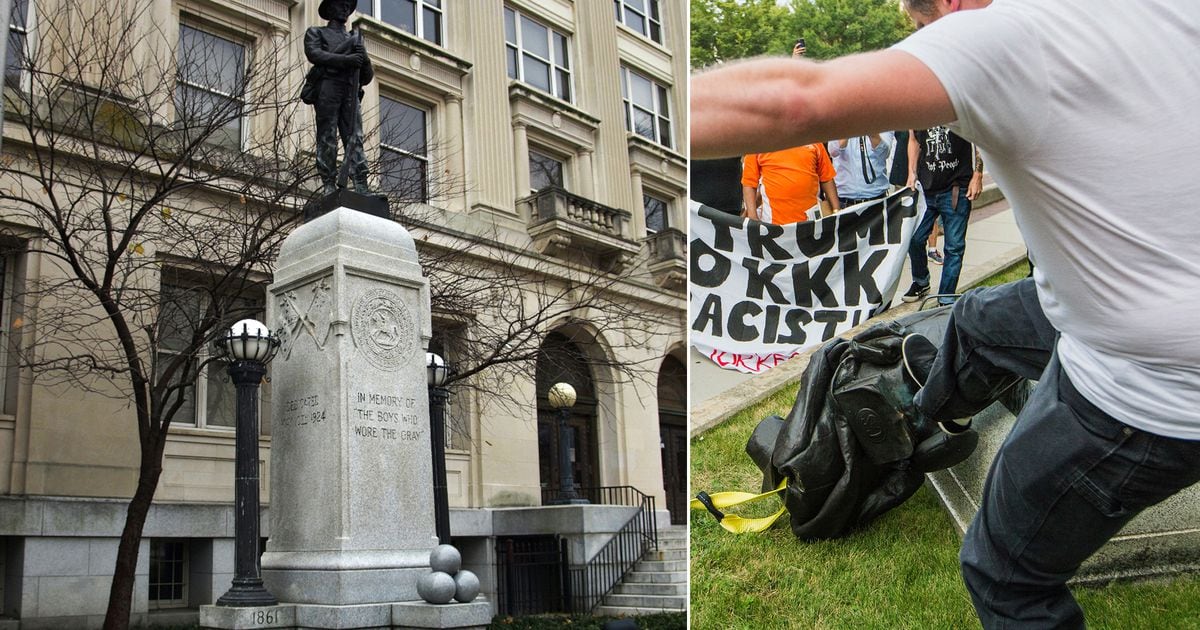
[354, 60]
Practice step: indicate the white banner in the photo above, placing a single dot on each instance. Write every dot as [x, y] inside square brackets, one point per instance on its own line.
[761, 293]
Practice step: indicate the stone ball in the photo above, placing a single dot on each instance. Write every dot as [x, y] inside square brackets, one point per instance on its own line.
[436, 588]
[445, 558]
[466, 586]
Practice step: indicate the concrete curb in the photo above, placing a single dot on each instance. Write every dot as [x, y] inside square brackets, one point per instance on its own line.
[713, 411]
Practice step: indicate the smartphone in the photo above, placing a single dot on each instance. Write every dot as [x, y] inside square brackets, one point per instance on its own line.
[800, 43]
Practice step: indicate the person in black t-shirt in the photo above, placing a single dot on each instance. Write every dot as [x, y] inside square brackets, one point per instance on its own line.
[951, 174]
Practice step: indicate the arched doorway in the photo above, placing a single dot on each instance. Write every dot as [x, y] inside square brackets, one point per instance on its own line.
[561, 359]
[672, 432]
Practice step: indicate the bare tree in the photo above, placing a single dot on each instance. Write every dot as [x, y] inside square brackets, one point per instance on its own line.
[156, 208]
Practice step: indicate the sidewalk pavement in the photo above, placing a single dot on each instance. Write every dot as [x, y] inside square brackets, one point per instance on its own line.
[993, 243]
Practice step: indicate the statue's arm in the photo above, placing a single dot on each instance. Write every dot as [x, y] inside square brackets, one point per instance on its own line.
[317, 55]
[366, 72]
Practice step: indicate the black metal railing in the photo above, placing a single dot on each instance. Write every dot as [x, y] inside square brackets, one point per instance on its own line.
[531, 575]
[592, 581]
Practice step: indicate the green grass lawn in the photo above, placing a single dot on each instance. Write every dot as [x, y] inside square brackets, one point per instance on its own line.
[901, 572]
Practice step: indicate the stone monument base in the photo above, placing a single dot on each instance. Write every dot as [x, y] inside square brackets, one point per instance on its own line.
[477, 614]
[1163, 540]
[350, 587]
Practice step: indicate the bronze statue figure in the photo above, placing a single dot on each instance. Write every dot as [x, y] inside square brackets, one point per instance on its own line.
[334, 86]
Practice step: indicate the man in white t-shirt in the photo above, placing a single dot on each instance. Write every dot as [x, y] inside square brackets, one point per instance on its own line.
[1070, 101]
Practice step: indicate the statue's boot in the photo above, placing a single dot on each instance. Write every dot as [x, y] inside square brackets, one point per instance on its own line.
[940, 444]
[328, 187]
[361, 187]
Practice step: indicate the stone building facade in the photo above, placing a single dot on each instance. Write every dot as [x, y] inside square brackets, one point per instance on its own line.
[548, 133]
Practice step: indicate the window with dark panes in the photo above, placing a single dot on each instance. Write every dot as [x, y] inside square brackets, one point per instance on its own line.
[544, 171]
[656, 213]
[18, 42]
[640, 15]
[168, 574]
[422, 18]
[404, 150]
[537, 54]
[211, 87]
[647, 107]
[181, 311]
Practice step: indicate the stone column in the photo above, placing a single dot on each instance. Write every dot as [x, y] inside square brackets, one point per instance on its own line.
[454, 148]
[587, 179]
[351, 499]
[638, 226]
[521, 159]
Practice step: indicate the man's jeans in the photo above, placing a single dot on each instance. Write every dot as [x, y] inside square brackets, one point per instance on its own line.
[1066, 479]
[954, 213]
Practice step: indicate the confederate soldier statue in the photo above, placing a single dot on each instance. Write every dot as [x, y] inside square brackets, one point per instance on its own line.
[334, 87]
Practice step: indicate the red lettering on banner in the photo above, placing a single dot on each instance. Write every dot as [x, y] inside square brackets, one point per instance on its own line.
[761, 361]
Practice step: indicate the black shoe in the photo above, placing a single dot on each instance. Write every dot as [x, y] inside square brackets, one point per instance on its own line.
[915, 292]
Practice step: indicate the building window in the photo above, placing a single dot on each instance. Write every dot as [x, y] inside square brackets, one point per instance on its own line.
[209, 95]
[647, 107]
[641, 16]
[545, 171]
[404, 150]
[656, 213]
[537, 54]
[168, 574]
[18, 40]
[457, 421]
[181, 310]
[422, 18]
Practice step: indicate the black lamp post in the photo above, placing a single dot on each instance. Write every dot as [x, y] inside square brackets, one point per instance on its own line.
[562, 398]
[437, 371]
[249, 346]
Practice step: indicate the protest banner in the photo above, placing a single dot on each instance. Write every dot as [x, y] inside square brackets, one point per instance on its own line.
[761, 293]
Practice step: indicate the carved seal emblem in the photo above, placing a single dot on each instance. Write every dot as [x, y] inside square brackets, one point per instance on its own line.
[383, 329]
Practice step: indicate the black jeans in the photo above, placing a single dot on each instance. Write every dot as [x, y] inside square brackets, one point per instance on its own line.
[1067, 478]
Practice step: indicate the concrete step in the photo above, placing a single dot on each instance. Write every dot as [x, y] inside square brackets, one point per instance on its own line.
[673, 534]
[661, 565]
[666, 554]
[656, 577]
[638, 588]
[629, 611]
[625, 611]
[659, 602]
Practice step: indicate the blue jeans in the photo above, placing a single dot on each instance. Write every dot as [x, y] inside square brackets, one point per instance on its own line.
[1067, 478]
[954, 213]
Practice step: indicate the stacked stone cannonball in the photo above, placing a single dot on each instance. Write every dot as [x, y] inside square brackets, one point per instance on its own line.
[447, 582]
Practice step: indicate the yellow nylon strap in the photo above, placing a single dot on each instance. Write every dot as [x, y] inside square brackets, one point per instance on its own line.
[737, 524]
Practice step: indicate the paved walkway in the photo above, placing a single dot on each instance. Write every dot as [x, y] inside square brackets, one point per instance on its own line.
[993, 242]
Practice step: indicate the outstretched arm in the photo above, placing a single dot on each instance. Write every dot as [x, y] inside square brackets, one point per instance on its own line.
[770, 104]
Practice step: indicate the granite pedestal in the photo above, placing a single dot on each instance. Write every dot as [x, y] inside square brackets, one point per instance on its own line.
[352, 519]
[1162, 540]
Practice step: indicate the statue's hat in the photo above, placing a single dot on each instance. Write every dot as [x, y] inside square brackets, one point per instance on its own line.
[335, 9]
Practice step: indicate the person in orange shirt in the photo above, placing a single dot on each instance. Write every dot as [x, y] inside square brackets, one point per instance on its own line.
[789, 182]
